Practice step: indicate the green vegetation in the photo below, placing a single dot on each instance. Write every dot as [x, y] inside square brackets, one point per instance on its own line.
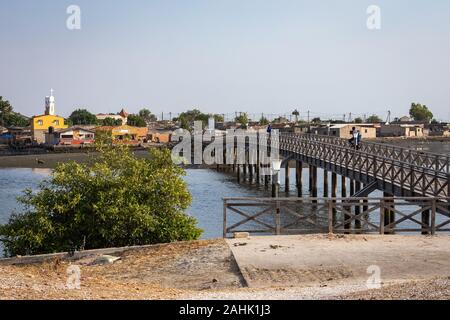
[136, 120]
[186, 119]
[358, 120]
[146, 115]
[374, 119]
[264, 121]
[420, 112]
[10, 118]
[82, 117]
[117, 200]
[110, 122]
[242, 119]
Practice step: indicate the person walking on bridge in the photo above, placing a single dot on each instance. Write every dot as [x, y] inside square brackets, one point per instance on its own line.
[358, 139]
[354, 138]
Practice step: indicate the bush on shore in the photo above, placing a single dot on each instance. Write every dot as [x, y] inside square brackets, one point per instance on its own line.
[117, 200]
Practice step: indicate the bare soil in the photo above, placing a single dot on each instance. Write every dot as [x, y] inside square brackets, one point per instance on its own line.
[275, 267]
[159, 272]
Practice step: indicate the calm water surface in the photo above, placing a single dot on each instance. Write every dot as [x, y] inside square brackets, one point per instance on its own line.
[206, 186]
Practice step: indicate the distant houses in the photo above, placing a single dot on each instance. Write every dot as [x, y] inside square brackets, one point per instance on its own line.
[74, 136]
[52, 130]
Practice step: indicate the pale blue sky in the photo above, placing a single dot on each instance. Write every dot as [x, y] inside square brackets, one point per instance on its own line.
[227, 55]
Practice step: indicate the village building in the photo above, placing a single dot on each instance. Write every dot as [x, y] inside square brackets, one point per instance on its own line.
[160, 135]
[344, 130]
[438, 130]
[75, 136]
[48, 122]
[122, 116]
[402, 130]
[125, 133]
[20, 135]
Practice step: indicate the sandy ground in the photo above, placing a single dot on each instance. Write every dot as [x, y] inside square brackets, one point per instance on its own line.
[290, 267]
[156, 272]
[289, 261]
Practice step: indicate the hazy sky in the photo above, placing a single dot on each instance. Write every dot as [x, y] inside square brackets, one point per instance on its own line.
[227, 55]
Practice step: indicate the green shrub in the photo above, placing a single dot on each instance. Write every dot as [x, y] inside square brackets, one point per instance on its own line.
[117, 200]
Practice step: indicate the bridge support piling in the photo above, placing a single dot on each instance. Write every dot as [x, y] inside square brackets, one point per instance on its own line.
[325, 183]
[352, 187]
[257, 170]
[238, 172]
[314, 182]
[244, 169]
[266, 180]
[310, 175]
[314, 187]
[334, 193]
[250, 173]
[286, 177]
[343, 187]
[298, 177]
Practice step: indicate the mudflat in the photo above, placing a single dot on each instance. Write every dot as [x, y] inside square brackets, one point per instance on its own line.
[50, 160]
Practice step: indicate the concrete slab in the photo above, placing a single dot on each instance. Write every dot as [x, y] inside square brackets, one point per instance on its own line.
[310, 260]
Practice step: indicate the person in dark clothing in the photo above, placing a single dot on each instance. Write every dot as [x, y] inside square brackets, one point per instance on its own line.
[354, 137]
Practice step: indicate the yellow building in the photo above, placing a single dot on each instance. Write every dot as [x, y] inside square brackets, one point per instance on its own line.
[125, 133]
[48, 122]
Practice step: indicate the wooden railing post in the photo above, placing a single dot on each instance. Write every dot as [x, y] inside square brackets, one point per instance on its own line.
[433, 216]
[224, 218]
[330, 216]
[381, 216]
[278, 218]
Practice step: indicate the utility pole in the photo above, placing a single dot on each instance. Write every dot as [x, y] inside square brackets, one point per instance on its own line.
[344, 117]
[170, 116]
[308, 116]
[350, 117]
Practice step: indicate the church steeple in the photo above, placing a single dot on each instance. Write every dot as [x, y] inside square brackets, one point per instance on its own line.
[50, 104]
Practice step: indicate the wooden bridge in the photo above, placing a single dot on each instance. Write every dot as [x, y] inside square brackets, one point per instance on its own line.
[397, 172]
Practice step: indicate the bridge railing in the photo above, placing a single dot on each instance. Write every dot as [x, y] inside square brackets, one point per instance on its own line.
[418, 179]
[432, 161]
[336, 215]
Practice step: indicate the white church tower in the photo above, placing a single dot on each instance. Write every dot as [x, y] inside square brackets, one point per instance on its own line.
[50, 104]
